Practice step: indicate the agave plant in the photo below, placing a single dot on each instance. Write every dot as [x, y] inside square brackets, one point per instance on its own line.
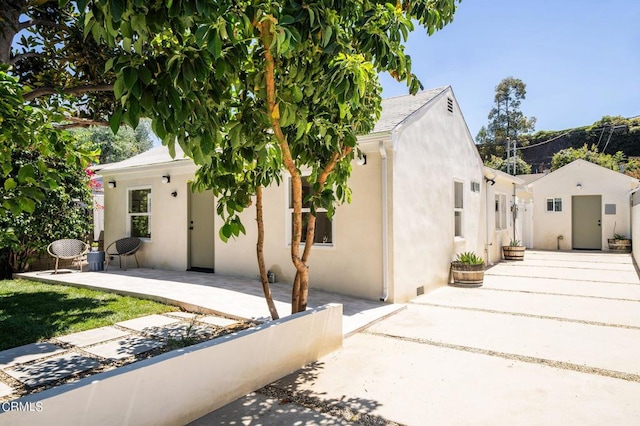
[469, 258]
[515, 243]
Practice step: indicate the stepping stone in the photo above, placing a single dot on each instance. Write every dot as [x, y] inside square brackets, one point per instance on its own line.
[91, 337]
[124, 348]
[148, 322]
[184, 315]
[52, 369]
[5, 390]
[218, 321]
[179, 331]
[26, 353]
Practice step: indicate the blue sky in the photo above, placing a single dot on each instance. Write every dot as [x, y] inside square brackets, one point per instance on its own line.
[580, 59]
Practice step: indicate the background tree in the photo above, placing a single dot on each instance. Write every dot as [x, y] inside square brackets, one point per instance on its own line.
[522, 167]
[506, 121]
[116, 147]
[307, 72]
[615, 161]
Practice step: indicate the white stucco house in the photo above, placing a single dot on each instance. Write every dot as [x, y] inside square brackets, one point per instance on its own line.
[417, 201]
[579, 206]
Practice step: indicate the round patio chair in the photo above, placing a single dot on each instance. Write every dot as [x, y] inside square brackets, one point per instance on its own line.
[123, 247]
[68, 249]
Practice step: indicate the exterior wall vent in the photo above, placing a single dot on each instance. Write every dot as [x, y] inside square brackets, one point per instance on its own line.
[450, 105]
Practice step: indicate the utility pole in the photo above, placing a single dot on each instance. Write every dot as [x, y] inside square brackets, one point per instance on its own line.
[508, 156]
[515, 159]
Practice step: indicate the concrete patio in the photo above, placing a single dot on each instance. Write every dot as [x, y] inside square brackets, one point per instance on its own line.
[233, 297]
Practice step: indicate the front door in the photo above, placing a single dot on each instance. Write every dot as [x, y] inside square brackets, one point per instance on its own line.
[202, 212]
[586, 218]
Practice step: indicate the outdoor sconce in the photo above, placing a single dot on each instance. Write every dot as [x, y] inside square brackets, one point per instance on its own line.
[361, 161]
[490, 181]
[166, 179]
[174, 194]
[579, 186]
[112, 184]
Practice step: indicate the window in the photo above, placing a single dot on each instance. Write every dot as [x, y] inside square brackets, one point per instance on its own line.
[458, 204]
[324, 227]
[501, 211]
[139, 213]
[554, 204]
[475, 186]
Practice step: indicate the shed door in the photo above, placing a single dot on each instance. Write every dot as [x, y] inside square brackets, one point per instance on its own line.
[586, 217]
[202, 212]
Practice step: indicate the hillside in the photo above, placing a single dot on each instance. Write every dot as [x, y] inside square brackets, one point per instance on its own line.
[610, 135]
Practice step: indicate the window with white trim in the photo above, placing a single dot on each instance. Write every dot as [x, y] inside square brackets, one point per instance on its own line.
[324, 227]
[554, 204]
[458, 205]
[139, 212]
[501, 211]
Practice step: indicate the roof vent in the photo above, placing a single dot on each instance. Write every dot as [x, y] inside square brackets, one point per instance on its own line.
[450, 105]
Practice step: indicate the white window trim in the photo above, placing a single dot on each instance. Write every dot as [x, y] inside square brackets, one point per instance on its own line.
[502, 208]
[461, 210]
[149, 213]
[288, 221]
[553, 200]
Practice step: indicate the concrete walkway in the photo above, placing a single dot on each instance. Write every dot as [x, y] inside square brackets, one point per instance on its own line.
[234, 297]
[551, 340]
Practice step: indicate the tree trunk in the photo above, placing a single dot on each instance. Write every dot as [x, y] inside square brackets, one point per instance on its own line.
[260, 253]
[9, 19]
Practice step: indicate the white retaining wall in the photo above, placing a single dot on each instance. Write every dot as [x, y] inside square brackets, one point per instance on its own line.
[183, 385]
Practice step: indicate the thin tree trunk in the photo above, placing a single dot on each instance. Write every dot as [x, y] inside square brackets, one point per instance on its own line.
[260, 253]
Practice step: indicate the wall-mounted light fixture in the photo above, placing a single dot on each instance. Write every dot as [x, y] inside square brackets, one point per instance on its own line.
[490, 181]
[166, 179]
[112, 184]
[174, 194]
[361, 161]
[579, 186]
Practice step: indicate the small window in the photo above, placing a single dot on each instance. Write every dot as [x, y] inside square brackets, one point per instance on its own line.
[450, 105]
[501, 211]
[139, 213]
[475, 186]
[324, 227]
[458, 205]
[554, 204]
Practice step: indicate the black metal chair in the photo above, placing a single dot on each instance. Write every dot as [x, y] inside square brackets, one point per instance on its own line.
[123, 247]
[68, 249]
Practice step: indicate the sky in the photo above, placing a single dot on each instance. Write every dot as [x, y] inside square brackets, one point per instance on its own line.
[580, 59]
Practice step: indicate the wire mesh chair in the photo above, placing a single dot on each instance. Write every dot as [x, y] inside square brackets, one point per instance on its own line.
[123, 247]
[68, 249]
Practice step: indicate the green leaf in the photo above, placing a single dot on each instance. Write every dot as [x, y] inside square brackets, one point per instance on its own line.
[130, 77]
[27, 204]
[26, 174]
[10, 184]
[115, 120]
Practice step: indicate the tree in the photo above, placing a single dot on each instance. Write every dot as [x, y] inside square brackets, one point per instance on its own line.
[615, 162]
[43, 41]
[249, 88]
[116, 147]
[506, 121]
[497, 163]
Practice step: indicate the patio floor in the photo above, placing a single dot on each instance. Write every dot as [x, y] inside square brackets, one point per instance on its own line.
[234, 297]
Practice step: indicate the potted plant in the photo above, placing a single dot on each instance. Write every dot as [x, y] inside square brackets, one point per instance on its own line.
[468, 270]
[619, 244]
[514, 251]
[94, 246]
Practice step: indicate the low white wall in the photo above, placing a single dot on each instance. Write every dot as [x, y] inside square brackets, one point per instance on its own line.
[183, 385]
[635, 227]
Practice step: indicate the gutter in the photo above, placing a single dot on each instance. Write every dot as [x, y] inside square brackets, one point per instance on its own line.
[385, 222]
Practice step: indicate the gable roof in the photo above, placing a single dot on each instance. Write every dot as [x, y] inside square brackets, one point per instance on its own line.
[582, 163]
[397, 109]
[156, 155]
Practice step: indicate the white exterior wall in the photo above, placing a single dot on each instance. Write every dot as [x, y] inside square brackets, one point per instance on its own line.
[432, 150]
[595, 180]
[498, 237]
[352, 266]
[635, 227]
[168, 246]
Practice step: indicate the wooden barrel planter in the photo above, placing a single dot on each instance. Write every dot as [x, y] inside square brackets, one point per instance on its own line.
[513, 252]
[619, 246]
[465, 275]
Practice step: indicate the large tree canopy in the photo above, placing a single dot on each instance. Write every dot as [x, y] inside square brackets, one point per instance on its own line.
[250, 87]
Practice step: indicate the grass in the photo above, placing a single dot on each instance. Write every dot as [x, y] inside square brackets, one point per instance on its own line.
[31, 312]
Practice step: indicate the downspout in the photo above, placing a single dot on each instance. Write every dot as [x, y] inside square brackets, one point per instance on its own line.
[385, 225]
[486, 214]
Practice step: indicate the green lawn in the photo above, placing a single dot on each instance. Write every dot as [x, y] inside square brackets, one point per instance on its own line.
[31, 311]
